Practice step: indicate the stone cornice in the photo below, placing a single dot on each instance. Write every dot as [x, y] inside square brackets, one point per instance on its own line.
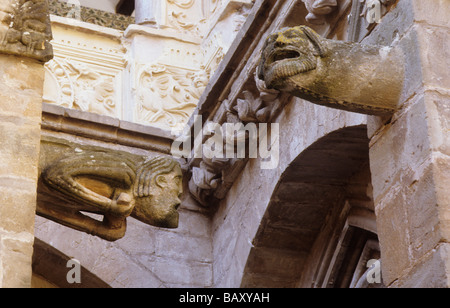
[105, 128]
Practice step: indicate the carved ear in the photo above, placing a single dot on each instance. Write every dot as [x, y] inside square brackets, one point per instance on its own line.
[161, 181]
[315, 39]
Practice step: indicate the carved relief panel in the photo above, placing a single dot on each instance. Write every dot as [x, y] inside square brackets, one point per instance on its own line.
[73, 84]
[86, 71]
[166, 95]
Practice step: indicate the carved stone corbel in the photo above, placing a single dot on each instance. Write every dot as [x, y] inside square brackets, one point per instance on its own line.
[25, 29]
[261, 108]
[349, 76]
[206, 178]
[318, 10]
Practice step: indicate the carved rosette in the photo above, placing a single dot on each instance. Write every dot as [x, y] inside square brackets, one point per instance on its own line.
[25, 29]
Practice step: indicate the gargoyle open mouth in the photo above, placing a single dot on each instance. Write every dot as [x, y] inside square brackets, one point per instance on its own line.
[287, 62]
[290, 52]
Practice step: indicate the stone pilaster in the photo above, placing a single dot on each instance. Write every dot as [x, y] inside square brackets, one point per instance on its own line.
[410, 156]
[25, 35]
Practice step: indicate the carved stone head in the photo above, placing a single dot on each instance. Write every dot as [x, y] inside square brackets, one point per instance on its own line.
[289, 52]
[113, 184]
[343, 75]
[157, 191]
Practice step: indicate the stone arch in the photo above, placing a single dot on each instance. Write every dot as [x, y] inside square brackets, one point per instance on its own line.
[50, 269]
[324, 188]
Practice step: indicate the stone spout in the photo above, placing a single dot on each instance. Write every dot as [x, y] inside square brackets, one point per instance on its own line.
[348, 76]
[75, 180]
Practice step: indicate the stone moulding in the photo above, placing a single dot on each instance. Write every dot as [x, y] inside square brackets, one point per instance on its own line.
[348, 76]
[90, 15]
[77, 179]
[103, 128]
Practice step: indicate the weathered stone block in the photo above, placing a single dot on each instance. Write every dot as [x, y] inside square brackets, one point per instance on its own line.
[418, 196]
[438, 111]
[433, 12]
[20, 150]
[435, 55]
[15, 256]
[17, 214]
[442, 183]
[431, 272]
[401, 147]
[394, 239]
[21, 87]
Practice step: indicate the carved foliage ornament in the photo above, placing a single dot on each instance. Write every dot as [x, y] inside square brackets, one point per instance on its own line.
[349, 76]
[115, 185]
[73, 84]
[167, 95]
[25, 28]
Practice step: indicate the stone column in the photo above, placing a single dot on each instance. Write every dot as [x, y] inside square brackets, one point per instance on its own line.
[22, 55]
[410, 156]
[146, 12]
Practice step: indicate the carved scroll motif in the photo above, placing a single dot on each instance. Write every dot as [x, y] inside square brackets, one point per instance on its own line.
[25, 28]
[348, 76]
[112, 184]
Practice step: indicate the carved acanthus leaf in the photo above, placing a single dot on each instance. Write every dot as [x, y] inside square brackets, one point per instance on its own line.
[252, 109]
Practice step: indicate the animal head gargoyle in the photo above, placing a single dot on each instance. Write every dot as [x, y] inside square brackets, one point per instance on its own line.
[350, 76]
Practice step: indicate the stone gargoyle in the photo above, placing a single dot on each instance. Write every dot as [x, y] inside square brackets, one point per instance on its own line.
[112, 184]
[349, 76]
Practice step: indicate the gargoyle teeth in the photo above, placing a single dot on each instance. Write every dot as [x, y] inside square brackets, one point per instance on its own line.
[284, 54]
[291, 68]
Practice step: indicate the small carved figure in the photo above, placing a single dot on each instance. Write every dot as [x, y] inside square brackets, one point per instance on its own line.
[343, 75]
[318, 9]
[115, 186]
[6, 15]
[25, 28]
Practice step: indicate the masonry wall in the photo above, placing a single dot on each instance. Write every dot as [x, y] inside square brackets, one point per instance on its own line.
[409, 156]
[240, 214]
[21, 87]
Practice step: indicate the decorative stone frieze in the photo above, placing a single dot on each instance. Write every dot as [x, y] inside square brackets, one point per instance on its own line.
[90, 15]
